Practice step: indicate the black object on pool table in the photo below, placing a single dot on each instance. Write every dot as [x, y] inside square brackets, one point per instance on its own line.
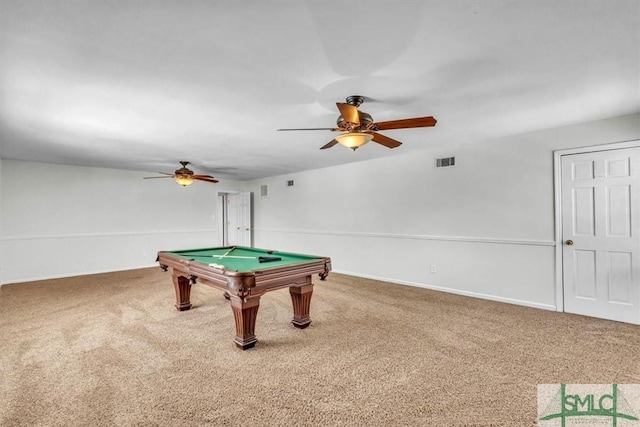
[269, 258]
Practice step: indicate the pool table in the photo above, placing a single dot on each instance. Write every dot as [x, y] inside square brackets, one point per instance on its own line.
[245, 274]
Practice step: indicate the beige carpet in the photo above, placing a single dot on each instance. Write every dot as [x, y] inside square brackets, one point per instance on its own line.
[112, 350]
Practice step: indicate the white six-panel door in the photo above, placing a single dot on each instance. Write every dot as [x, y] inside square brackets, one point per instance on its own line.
[601, 234]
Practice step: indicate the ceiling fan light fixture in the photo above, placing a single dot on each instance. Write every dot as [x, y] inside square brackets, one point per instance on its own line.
[354, 140]
[184, 180]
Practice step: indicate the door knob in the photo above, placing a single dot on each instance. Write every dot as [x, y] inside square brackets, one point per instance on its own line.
[569, 242]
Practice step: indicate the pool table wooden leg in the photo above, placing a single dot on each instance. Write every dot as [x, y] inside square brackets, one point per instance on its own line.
[245, 311]
[301, 299]
[182, 286]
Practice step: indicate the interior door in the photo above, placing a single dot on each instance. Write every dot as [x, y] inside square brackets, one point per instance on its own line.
[245, 231]
[237, 229]
[233, 223]
[601, 234]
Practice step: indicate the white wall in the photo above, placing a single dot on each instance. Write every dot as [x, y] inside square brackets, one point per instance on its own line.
[66, 220]
[487, 224]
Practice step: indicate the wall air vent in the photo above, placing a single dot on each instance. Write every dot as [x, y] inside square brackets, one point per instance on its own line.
[445, 162]
[264, 191]
[290, 183]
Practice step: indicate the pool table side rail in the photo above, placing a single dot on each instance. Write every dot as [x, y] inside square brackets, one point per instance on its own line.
[263, 280]
[179, 260]
[246, 248]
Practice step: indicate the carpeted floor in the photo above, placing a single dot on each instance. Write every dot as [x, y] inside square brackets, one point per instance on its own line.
[112, 350]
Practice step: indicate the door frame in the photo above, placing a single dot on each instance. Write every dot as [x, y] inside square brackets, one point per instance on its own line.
[557, 185]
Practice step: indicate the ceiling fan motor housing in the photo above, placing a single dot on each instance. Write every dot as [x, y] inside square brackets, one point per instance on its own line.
[184, 170]
[366, 122]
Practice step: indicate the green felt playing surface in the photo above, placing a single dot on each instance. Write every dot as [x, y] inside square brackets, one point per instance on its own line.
[242, 258]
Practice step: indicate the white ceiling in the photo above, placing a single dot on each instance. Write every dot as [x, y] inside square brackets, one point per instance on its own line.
[143, 84]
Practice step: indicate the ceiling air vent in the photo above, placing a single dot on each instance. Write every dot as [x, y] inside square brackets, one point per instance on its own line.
[264, 191]
[290, 183]
[445, 162]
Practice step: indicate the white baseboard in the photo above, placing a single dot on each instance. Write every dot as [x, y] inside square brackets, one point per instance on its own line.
[86, 273]
[349, 273]
[454, 291]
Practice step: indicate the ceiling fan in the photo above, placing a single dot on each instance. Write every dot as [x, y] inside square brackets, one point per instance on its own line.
[359, 128]
[184, 176]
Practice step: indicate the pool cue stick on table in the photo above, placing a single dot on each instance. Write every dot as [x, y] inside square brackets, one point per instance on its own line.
[228, 252]
[234, 256]
[259, 258]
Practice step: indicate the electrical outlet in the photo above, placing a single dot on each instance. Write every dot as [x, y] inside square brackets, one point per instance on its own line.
[433, 268]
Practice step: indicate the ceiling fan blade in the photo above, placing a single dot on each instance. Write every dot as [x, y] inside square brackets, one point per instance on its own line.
[205, 178]
[154, 177]
[329, 144]
[331, 129]
[385, 140]
[349, 113]
[418, 122]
